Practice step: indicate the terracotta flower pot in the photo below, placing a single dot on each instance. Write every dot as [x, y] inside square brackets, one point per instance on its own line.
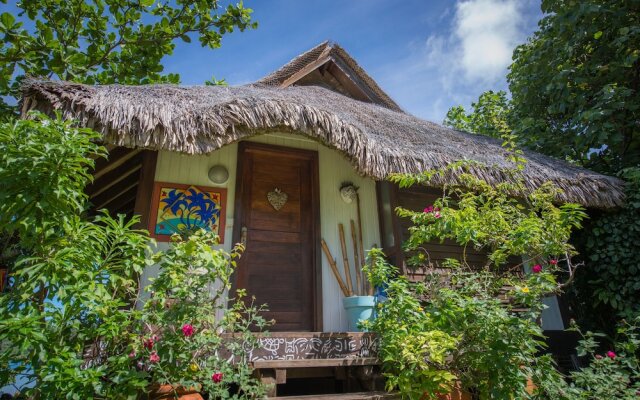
[161, 392]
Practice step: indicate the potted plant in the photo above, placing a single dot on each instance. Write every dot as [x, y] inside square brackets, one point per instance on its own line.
[180, 345]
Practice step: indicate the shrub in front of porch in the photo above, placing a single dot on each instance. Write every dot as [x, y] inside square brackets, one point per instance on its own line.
[489, 346]
[180, 342]
[68, 324]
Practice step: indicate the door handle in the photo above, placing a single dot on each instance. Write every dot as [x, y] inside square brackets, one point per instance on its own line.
[243, 236]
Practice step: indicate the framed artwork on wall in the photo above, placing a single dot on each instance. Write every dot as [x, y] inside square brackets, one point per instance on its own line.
[177, 208]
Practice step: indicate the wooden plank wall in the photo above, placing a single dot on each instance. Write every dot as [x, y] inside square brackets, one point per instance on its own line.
[416, 199]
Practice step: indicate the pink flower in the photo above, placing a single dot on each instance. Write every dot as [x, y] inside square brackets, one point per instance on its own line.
[187, 330]
[437, 214]
[553, 262]
[428, 209]
[598, 357]
[154, 357]
[536, 268]
[611, 354]
[217, 377]
[132, 355]
[148, 344]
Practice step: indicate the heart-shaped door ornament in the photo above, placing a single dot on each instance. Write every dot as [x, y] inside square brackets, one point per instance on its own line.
[277, 198]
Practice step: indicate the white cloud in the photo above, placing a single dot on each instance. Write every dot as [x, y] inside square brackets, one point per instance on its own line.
[469, 54]
[488, 31]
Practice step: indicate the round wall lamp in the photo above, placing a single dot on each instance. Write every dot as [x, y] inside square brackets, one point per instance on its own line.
[218, 174]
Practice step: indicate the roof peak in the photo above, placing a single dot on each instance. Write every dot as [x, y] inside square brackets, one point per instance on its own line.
[328, 64]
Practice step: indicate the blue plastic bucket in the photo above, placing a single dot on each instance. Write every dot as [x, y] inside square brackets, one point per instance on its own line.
[358, 308]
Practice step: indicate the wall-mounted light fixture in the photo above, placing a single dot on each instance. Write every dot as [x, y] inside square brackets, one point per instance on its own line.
[218, 174]
[348, 192]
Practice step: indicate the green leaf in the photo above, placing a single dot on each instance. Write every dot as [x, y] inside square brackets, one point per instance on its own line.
[7, 20]
[597, 35]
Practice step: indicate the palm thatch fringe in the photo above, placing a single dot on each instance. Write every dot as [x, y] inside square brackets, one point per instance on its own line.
[377, 140]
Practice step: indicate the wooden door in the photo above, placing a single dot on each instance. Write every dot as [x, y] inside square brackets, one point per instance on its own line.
[279, 265]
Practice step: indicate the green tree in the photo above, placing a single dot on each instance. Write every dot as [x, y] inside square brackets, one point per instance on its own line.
[574, 88]
[65, 321]
[575, 83]
[489, 115]
[107, 41]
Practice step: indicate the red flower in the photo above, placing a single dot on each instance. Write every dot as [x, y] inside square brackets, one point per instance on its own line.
[611, 354]
[187, 330]
[154, 357]
[148, 344]
[536, 268]
[217, 377]
[553, 262]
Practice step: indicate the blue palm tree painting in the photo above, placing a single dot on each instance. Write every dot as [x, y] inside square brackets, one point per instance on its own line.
[187, 209]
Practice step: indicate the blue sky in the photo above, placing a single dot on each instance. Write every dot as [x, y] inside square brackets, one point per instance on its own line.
[428, 55]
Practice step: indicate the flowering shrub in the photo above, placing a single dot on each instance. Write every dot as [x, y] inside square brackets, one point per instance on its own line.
[452, 326]
[66, 315]
[610, 374]
[67, 325]
[181, 342]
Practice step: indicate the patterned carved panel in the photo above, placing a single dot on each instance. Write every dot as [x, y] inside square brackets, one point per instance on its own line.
[296, 346]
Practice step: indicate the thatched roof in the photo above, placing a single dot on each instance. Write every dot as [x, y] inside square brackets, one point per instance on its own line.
[377, 140]
[328, 51]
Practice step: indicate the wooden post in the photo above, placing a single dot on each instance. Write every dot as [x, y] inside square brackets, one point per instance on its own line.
[356, 259]
[145, 187]
[362, 257]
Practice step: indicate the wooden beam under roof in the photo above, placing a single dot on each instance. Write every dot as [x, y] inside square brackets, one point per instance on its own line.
[116, 157]
[114, 176]
[305, 71]
[114, 191]
[119, 202]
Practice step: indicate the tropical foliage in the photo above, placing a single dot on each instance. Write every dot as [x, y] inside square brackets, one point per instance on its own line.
[452, 326]
[610, 244]
[489, 115]
[72, 279]
[107, 41]
[613, 372]
[575, 83]
[574, 88]
[180, 341]
[68, 322]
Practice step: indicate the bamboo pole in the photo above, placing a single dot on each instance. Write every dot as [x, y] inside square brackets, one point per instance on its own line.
[362, 257]
[334, 268]
[371, 288]
[345, 259]
[356, 259]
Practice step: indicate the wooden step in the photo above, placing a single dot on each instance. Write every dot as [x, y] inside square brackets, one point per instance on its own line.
[344, 396]
[315, 363]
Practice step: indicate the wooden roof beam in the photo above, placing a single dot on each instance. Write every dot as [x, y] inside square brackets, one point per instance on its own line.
[119, 202]
[100, 200]
[114, 176]
[305, 71]
[116, 157]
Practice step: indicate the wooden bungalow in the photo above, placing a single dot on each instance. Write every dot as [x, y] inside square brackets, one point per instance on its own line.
[274, 155]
